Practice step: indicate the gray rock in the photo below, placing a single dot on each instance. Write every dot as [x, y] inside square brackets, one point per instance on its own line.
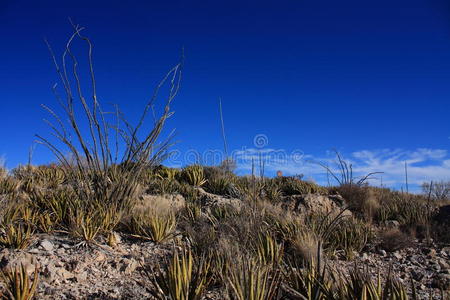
[46, 245]
[397, 255]
[128, 265]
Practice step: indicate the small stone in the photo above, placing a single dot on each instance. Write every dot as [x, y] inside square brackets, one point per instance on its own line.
[81, 277]
[34, 251]
[382, 252]
[46, 245]
[100, 257]
[63, 273]
[128, 265]
[365, 256]
[443, 263]
[397, 255]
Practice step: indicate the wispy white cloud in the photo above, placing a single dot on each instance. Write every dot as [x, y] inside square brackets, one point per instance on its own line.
[423, 164]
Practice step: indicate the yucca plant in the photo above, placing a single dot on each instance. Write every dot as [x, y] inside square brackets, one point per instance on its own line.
[273, 192]
[50, 176]
[360, 285]
[167, 173]
[248, 280]
[218, 213]
[16, 236]
[313, 281]
[269, 252]
[182, 278]
[85, 225]
[192, 212]
[151, 225]
[193, 175]
[46, 222]
[221, 186]
[57, 202]
[18, 284]
[164, 186]
[350, 235]
[8, 185]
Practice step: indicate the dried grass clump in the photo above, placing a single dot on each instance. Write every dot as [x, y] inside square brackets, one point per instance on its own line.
[393, 239]
[304, 247]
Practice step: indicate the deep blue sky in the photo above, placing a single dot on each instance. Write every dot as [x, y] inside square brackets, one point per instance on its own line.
[310, 75]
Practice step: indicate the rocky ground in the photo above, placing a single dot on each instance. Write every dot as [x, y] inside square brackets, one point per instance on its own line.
[70, 271]
[426, 266]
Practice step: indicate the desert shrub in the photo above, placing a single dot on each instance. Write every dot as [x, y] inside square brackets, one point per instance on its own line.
[166, 172]
[269, 251]
[393, 239]
[356, 197]
[247, 280]
[85, 225]
[349, 235]
[58, 203]
[152, 225]
[304, 246]
[190, 213]
[440, 224]
[212, 172]
[18, 284]
[8, 185]
[273, 192]
[243, 227]
[221, 186]
[310, 282]
[221, 213]
[104, 164]
[250, 187]
[183, 277]
[164, 186]
[50, 176]
[409, 210]
[437, 191]
[293, 186]
[16, 235]
[193, 175]
[3, 171]
[190, 193]
[201, 236]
